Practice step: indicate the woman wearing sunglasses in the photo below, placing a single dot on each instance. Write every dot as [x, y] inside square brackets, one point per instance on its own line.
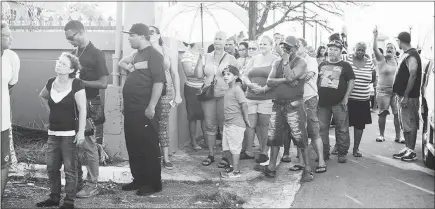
[244, 57]
[62, 96]
[171, 99]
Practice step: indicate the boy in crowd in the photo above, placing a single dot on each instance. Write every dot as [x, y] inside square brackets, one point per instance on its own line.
[236, 120]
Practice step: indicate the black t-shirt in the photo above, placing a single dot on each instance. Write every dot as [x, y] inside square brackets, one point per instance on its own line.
[93, 62]
[333, 81]
[62, 116]
[138, 85]
[401, 80]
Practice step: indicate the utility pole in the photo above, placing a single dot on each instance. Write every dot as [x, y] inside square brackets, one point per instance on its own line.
[303, 19]
[252, 12]
[315, 37]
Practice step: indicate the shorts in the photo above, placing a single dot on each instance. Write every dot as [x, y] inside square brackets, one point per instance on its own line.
[6, 137]
[193, 106]
[313, 125]
[359, 113]
[408, 116]
[386, 98]
[288, 115]
[232, 138]
[260, 106]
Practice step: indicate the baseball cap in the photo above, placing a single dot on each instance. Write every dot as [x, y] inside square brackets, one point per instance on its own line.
[139, 29]
[335, 43]
[232, 70]
[404, 37]
[290, 40]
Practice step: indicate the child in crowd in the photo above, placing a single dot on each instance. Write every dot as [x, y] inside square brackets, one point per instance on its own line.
[236, 120]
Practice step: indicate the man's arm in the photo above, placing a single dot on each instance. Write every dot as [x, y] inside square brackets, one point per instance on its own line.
[412, 64]
[159, 78]
[101, 83]
[272, 80]
[126, 61]
[298, 72]
[16, 70]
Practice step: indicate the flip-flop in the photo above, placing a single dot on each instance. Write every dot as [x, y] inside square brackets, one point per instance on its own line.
[208, 161]
[321, 169]
[286, 159]
[296, 168]
[224, 163]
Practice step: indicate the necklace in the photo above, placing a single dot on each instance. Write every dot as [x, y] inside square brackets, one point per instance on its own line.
[82, 51]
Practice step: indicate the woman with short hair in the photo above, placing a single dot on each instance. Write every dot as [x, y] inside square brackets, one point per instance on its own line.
[64, 98]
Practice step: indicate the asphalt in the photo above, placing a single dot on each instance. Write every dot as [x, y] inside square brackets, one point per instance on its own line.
[375, 180]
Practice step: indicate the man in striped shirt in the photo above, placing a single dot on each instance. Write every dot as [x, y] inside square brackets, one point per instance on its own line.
[359, 99]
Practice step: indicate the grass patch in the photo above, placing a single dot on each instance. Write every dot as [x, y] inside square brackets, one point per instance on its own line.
[30, 144]
[222, 199]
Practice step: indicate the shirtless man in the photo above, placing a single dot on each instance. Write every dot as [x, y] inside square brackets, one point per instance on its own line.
[385, 98]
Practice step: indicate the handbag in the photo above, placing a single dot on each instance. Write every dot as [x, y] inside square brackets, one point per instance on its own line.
[89, 128]
[96, 110]
[206, 93]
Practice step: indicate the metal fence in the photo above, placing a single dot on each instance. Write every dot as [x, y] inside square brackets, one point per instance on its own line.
[57, 23]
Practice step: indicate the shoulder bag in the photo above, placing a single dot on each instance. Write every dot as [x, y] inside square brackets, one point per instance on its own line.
[206, 93]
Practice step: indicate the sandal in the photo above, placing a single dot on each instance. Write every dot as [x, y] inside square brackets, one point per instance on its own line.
[208, 161]
[356, 153]
[380, 139]
[296, 168]
[224, 163]
[229, 169]
[307, 176]
[259, 167]
[321, 169]
[286, 159]
[197, 147]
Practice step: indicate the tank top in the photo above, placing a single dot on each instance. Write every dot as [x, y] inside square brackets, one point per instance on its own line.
[259, 76]
[166, 66]
[401, 80]
[285, 91]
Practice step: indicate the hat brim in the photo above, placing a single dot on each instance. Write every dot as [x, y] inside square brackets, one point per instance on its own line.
[330, 45]
[285, 43]
[124, 31]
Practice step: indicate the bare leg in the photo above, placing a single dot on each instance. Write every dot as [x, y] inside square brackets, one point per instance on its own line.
[273, 157]
[4, 175]
[318, 148]
[235, 161]
[211, 141]
[227, 154]
[381, 122]
[192, 131]
[263, 127]
[166, 154]
[411, 138]
[397, 125]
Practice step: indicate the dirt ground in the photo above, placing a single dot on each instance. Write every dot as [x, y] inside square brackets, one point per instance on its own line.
[25, 193]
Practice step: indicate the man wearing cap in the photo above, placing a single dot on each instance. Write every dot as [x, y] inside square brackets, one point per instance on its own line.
[387, 66]
[335, 83]
[287, 79]
[407, 86]
[141, 92]
[94, 76]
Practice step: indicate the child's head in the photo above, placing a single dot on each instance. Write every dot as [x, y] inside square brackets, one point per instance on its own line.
[230, 74]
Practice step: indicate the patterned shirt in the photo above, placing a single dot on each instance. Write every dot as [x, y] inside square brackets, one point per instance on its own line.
[363, 79]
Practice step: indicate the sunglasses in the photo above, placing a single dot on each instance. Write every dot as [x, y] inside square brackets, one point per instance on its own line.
[71, 38]
[152, 32]
[252, 48]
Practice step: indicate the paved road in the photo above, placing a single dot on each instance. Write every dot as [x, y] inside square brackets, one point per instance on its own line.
[375, 180]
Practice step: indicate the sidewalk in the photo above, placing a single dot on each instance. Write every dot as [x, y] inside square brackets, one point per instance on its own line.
[258, 190]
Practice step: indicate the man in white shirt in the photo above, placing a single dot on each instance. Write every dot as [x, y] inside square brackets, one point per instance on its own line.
[9, 77]
[310, 102]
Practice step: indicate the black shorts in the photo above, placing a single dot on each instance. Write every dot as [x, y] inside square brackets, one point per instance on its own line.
[6, 136]
[193, 106]
[359, 113]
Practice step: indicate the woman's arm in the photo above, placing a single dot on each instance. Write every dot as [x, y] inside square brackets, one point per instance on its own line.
[43, 96]
[379, 57]
[199, 69]
[175, 78]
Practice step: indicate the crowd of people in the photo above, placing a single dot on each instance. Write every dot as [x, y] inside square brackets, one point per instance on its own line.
[278, 89]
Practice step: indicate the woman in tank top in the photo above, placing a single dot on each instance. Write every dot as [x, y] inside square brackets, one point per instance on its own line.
[171, 99]
[215, 62]
[64, 98]
[259, 106]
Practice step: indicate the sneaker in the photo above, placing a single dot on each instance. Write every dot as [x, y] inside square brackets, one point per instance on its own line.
[342, 159]
[168, 165]
[269, 173]
[400, 140]
[67, 205]
[131, 186]
[234, 174]
[48, 203]
[401, 153]
[88, 191]
[410, 156]
[380, 139]
[245, 156]
[334, 151]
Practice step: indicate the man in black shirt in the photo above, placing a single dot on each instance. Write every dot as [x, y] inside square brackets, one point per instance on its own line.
[407, 87]
[94, 76]
[141, 92]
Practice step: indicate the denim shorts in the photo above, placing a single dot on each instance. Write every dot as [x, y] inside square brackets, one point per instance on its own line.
[409, 116]
[385, 99]
[260, 106]
[313, 126]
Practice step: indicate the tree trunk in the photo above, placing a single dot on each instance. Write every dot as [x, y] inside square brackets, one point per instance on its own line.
[252, 32]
